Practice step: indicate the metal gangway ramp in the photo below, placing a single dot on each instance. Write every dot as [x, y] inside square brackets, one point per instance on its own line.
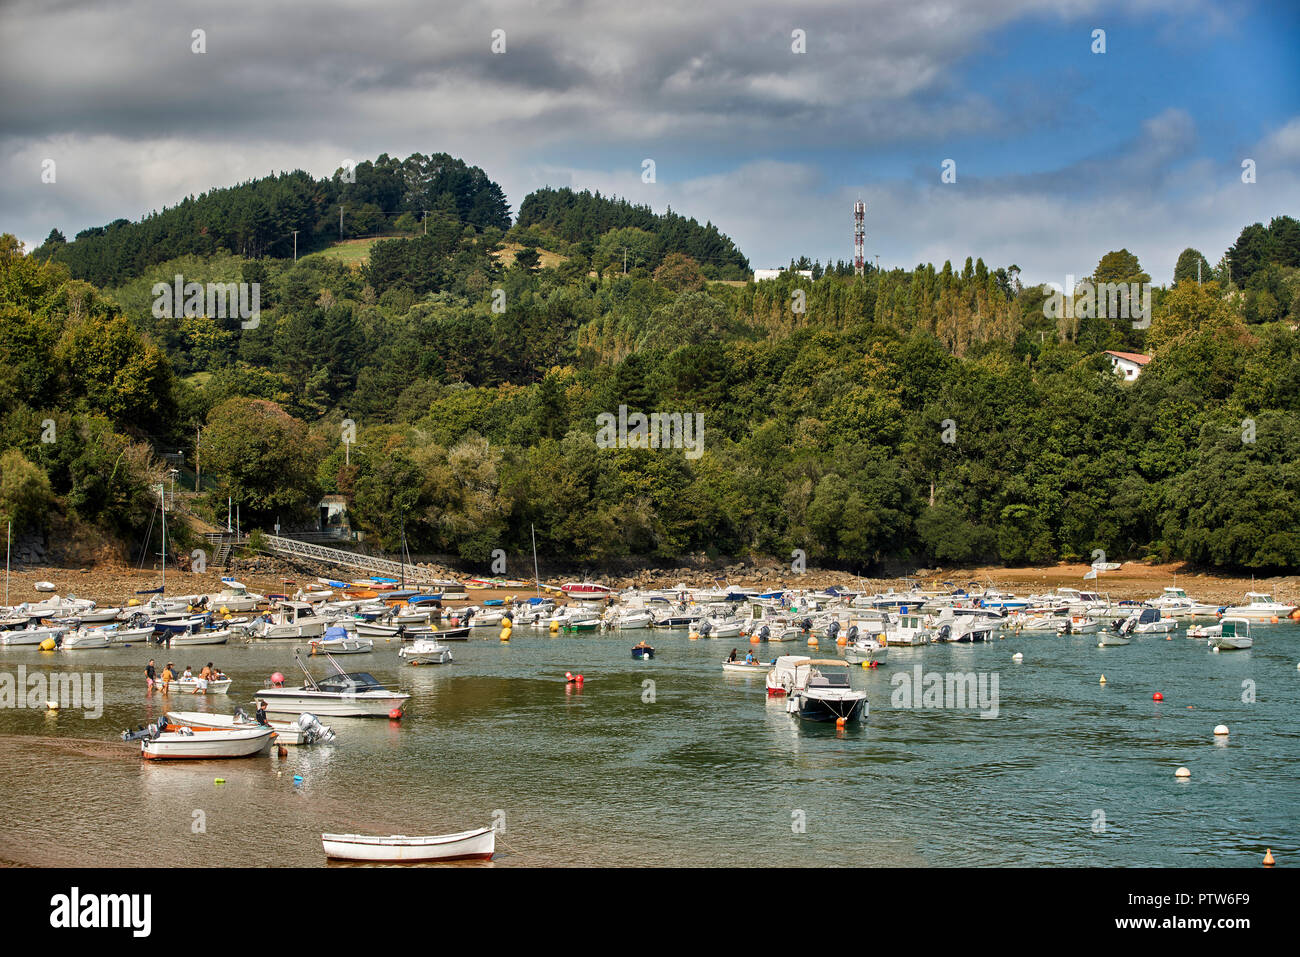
[293, 548]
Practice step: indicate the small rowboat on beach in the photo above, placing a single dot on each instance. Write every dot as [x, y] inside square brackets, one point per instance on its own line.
[477, 844]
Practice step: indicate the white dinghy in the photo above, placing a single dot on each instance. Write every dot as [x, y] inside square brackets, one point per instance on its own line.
[477, 844]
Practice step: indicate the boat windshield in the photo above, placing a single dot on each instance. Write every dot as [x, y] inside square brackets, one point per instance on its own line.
[833, 680]
[351, 683]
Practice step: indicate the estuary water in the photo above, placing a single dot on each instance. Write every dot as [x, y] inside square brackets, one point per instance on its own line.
[696, 768]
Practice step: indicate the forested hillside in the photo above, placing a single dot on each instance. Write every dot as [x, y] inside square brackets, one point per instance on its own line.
[934, 414]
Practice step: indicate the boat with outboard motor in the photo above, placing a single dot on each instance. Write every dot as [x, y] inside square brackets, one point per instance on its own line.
[342, 694]
[306, 730]
[819, 694]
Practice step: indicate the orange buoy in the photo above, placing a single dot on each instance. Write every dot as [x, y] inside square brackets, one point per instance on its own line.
[1273, 620]
[1268, 858]
[753, 639]
[841, 641]
[840, 722]
[1157, 697]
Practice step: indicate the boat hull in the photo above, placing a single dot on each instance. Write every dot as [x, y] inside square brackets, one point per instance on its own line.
[205, 745]
[478, 844]
[283, 701]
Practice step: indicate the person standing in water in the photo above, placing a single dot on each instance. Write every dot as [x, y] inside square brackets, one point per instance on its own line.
[150, 676]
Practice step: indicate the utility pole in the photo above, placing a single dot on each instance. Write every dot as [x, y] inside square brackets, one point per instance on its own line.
[295, 245]
[877, 262]
[341, 207]
[198, 432]
[624, 260]
[424, 218]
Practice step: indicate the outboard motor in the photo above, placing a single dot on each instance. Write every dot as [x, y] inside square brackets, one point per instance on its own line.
[832, 630]
[806, 624]
[944, 632]
[764, 633]
[706, 626]
[852, 634]
[312, 729]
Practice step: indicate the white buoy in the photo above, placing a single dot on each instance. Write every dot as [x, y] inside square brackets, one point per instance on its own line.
[1220, 729]
[1103, 680]
[1182, 773]
[1017, 657]
[1216, 649]
[52, 705]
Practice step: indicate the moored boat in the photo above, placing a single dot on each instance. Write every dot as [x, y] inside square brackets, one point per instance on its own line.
[479, 843]
[340, 695]
[425, 651]
[306, 730]
[187, 743]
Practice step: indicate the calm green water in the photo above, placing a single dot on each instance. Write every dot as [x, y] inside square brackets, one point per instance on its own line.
[709, 773]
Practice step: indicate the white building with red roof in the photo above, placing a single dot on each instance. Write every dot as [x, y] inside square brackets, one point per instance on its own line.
[1127, 364]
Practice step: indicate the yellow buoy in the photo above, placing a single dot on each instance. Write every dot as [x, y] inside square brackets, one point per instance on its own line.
[555, 626]
[505, 634]
[1268, 858]
[694, 636]
[1103, 679]
[812, 642]
[52, 705]
[47, 644]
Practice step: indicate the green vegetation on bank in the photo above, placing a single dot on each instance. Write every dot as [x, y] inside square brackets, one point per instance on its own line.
[928, 415]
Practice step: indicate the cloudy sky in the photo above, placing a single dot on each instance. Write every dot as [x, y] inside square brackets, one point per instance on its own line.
[1060, 153]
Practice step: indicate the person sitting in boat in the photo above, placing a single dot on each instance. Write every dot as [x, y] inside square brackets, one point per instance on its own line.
[188, 673]
[643, 644]
[750, 659]
[260, 714]
[732, 657]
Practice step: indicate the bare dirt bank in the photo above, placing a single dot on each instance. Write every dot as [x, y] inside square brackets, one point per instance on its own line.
[113, 583]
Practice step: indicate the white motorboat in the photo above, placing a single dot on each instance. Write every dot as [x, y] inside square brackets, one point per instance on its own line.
[234, 597]
[44, 586]
[291, 619]
[97, 616]
[199, 638]
[187, 743]
[1079, 625]
[398, 848]
[340, 695]
[336, 641]
[741, 667]
[343, 646]
[1032, 622]
[1260, 607]
[306, 730]
[629, 619]
[1234, 635]
[1113, 638]
[425, 651]
[1148, 621]
[85, 640]
[865, 648]
[1174, 603]
[31, 635]
[818, 694]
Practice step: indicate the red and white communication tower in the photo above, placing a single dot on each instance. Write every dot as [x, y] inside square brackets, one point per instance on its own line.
[859, 236]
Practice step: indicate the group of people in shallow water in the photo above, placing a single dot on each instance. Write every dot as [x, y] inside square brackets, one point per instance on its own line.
[154, 680]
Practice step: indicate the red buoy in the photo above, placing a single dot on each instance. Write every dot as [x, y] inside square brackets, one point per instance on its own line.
[396, 714]
[277, 679]
[579, 679]
[1157, 697]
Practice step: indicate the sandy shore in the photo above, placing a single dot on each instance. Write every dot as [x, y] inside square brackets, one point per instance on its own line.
[111, 584]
